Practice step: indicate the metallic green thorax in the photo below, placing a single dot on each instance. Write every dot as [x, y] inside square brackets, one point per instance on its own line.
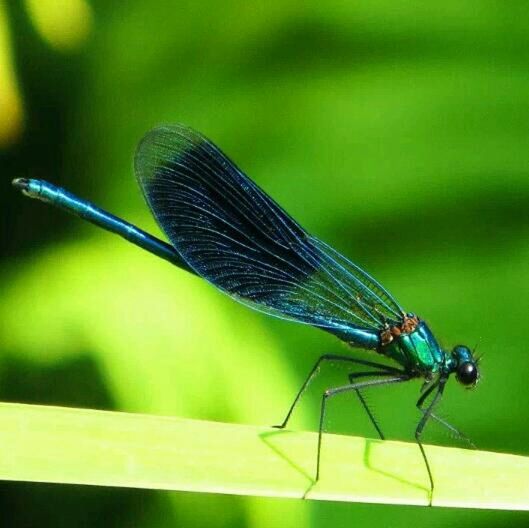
[418, 351]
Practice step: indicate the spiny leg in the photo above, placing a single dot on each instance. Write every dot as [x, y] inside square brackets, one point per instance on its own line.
[312, 374]
[440, 385]
[457, 433]
[438, 419]
[346, 388]
[370, 414]
[426, 393]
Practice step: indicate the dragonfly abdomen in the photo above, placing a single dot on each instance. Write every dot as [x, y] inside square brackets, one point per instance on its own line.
[357, 337]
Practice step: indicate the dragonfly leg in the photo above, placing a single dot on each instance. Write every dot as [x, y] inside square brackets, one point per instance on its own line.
[347, 388]
[454, 430]
[427, 414]
[438, 419]
[315, 369]
[352, 377]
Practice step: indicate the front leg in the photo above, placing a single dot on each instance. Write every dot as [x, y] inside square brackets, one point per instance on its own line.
[458, 434]
[440, 385]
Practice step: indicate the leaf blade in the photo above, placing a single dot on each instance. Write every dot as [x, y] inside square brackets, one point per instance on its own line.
[80, 446]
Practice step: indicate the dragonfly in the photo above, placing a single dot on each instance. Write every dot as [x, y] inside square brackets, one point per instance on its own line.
[224, 228]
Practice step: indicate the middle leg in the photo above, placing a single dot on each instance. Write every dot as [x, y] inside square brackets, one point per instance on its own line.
[374, 373]
[333, 357]
[382, 380]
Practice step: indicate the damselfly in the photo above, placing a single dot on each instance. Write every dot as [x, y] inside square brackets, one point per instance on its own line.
[224, 228]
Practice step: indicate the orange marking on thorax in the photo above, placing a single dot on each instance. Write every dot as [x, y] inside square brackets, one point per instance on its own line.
[408, 325]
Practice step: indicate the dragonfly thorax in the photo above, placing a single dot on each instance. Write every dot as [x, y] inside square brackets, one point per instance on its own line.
[412, 345]
[407, 326]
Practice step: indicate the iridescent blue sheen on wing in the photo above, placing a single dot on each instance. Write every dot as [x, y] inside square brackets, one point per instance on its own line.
[235, 236]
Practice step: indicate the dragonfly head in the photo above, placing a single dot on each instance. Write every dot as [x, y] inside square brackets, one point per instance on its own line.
[465, 366]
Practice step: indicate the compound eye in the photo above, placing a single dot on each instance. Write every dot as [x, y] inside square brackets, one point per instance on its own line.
[467, 373]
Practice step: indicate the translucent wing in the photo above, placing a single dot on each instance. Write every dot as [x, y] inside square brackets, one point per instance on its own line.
[235, 236]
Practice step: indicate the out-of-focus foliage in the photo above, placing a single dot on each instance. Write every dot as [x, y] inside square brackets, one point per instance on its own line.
[10, 103]
[397, 132]
[65, 24]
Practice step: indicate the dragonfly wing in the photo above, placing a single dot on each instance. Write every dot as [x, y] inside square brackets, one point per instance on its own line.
[234, 235]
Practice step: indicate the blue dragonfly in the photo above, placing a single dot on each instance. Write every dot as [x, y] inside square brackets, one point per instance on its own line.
[224, 228]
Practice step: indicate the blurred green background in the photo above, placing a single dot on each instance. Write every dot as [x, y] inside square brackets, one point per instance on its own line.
[397, 132]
